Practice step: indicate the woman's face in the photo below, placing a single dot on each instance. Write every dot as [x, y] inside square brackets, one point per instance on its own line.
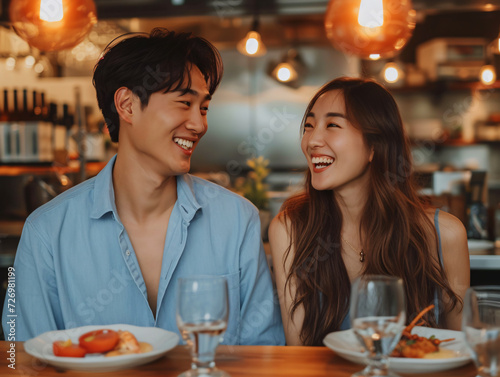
[336, 152]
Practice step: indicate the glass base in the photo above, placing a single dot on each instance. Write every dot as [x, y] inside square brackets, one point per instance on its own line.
[370, 371]
[201, 372]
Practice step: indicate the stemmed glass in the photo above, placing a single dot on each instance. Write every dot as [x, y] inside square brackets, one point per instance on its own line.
[481, 326]
[378, 314]
[202, 313]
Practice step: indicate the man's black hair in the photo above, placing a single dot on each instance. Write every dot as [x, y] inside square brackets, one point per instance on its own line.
[149, 63]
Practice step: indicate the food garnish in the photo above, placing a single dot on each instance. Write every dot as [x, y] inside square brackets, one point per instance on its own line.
[65, 348]
[414, 346]
[109, 342]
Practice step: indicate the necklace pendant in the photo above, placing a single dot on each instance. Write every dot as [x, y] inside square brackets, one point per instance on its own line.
[361, 256]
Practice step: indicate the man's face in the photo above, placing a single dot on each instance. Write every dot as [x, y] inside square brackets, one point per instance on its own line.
[165, 133]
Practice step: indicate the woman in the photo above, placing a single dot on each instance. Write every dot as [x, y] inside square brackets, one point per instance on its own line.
[360, 214]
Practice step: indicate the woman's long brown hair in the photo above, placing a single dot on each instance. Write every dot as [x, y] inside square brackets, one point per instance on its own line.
[398, 237]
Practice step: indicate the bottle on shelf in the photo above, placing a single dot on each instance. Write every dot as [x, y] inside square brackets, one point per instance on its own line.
[60, 135]
[25, 112]
[5, 114]
[37, 109]
[5, 140]
[15, 114]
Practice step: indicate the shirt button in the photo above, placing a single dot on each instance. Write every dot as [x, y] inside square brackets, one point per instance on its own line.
[127, 253]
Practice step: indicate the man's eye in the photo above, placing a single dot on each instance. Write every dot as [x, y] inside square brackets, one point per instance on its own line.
[187, 103]
[205, 109]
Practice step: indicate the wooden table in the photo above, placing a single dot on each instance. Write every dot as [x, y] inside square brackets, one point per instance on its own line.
[238, 361]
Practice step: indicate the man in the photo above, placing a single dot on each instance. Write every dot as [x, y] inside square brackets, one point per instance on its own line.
[111, 249]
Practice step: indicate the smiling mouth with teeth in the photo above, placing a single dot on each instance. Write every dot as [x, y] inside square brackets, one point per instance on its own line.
[321, 162]
[183, 143]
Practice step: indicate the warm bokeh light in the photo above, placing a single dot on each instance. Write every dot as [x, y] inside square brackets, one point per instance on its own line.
[284, 74]
[371, 13]
[10, 63]
[29, 61]
[51, 10]
[369, 27]
[488, 74]
[251, 45]
[374, 56]
[391, 73]
[52, 25]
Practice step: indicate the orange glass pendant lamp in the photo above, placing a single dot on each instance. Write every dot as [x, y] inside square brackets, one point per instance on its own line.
[369, 27]
[52, 25]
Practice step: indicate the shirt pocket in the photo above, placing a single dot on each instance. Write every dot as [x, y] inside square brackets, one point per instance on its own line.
[232, 334]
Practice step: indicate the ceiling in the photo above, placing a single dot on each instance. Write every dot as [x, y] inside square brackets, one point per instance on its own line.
[239, 8]
[282, 22]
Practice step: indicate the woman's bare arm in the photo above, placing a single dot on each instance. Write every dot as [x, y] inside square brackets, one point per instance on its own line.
[279, 240]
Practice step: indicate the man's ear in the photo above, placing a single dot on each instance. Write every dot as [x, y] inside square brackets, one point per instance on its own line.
[123, 103]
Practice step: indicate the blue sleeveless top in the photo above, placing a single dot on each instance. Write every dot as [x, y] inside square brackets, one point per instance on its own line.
[346, 323]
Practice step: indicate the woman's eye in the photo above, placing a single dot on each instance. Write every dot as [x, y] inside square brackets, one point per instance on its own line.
[308, 125]
[332, 125]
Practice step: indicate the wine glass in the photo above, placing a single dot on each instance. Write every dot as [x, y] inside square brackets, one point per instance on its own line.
[202, 313]
[481, 326]
[378, 314]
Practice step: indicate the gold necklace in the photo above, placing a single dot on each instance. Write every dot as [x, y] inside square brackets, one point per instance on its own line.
[361, 253]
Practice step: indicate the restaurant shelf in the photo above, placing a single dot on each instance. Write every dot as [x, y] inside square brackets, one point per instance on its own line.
[92, 168]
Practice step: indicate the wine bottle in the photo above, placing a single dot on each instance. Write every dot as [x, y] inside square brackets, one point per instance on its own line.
[37, 110]
[5, 114]
[15, 115]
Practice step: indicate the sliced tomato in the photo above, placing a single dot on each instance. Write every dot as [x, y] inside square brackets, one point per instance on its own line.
[68, 349]
[99, 341]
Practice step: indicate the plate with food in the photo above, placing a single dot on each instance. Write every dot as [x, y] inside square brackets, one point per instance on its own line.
[420, 349]
[101, 348]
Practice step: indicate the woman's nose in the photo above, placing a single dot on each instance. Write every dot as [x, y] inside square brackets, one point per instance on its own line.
[316, 138]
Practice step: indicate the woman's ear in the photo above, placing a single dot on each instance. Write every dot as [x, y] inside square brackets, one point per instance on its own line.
[372, 152]
[123, 103]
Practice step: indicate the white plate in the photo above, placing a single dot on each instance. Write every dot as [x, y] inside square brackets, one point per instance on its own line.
[346, 345]
[161, 340]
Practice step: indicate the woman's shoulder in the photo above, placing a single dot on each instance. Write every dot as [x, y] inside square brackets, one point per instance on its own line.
[451, 229]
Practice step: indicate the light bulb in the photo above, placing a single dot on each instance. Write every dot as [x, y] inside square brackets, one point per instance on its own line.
[488, 75]
[51, 10]
[252, 46]
[371, 13]
[372, 27]
[284, 74]
[52, 25]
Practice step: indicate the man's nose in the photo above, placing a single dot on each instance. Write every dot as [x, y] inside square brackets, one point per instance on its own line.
[196, 122]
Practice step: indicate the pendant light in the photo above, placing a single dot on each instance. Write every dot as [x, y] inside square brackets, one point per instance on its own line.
[289, 70]
[370, 27]
[52, 25]
[252, 44]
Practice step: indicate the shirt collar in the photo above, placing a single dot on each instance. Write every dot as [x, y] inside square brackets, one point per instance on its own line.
[104, 194]
[186, 197]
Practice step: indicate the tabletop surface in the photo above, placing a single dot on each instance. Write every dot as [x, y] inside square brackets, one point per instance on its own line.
[244, 361]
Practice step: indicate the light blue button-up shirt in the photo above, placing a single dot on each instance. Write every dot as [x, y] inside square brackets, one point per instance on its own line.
[76, 266]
